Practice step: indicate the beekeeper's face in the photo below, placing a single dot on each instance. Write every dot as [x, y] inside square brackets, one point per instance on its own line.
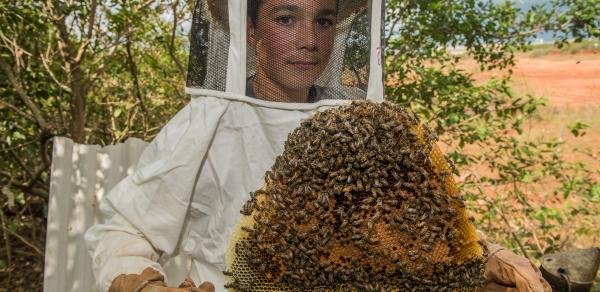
[293, 40]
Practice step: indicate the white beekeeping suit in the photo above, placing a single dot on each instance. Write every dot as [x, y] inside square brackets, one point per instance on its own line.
[256, 70]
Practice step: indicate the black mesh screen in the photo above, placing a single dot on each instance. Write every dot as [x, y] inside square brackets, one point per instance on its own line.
[209, 47]
[356, 57]
[305, 51]
[297, 50]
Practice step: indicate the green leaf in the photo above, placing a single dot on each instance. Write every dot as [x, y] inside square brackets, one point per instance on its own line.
[20, 199]
[453, 119]
[578, 128]
[117, 112]
[19, 136]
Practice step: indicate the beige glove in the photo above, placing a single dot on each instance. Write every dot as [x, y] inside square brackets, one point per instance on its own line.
[507, 272]
[152, 281]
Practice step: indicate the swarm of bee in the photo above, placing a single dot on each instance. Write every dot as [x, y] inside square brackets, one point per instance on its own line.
[360, 200]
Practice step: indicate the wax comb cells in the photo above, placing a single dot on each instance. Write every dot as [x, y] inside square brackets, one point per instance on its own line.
[361, 199]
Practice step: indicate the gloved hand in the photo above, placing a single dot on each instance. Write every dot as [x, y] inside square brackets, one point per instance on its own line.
[507, 272]
[152, 281]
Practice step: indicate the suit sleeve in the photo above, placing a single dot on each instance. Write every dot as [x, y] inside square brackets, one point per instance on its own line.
[145, 212]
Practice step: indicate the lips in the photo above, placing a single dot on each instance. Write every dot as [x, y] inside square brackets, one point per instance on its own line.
[304, 64]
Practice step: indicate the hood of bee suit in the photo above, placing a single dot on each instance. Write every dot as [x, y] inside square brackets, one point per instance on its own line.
[234, 43]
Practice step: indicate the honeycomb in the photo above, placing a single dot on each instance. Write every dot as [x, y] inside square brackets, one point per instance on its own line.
[361, 199]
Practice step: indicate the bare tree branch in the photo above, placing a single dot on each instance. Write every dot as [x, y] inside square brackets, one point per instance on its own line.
[136, 83]
[37, 250]
[100, 70]
[171, 48]
[21, 163]
[16, 83]
[16, 147]
[43, 194]
[90, 33]
[45, 58]
[63, 33]
[64, 41]
[6, 236]
[387, 38]
[17, 110]
[14, 48]
[76, 76]
[112, 49]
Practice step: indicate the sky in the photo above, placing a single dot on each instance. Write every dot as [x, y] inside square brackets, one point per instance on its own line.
[525, 5]
[528, 3]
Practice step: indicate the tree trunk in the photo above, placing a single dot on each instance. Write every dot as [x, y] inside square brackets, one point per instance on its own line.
[78, 94]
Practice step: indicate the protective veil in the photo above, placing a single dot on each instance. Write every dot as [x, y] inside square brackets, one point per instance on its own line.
[256, 70]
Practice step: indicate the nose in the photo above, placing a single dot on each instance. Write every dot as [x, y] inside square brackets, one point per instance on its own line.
[307, 36]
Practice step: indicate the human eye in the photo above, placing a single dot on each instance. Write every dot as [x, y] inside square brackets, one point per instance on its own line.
[325, 22]
[285, 19]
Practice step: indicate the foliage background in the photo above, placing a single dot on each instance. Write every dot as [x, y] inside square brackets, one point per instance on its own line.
[101, 71]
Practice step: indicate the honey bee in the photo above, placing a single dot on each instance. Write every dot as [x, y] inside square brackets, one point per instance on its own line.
[341, 175]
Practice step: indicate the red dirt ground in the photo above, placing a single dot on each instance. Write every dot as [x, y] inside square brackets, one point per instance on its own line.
[566, 80]
[571, 83]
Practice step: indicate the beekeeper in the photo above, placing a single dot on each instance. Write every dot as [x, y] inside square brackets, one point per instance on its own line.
[257, 68]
